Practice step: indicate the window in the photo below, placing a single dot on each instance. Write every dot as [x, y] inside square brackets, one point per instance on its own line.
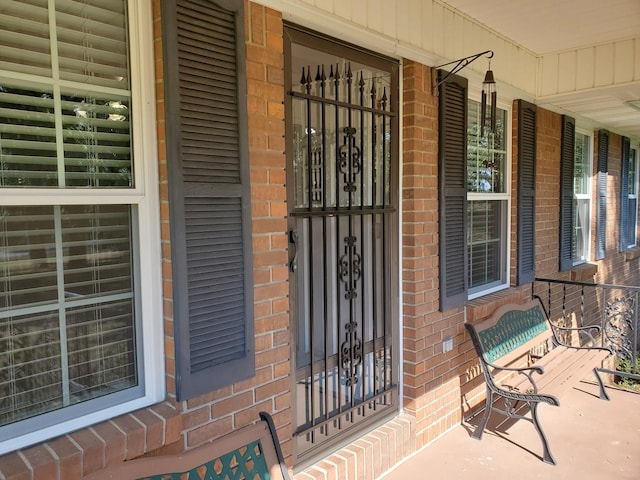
[76, 209]
[488, 184]
[632, 224]
[576, 194]
[474, 197]
[628, 196]
[581, 230]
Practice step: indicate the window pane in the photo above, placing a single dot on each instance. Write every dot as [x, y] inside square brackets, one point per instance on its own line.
[485, 229]
[51, 133]
[96, 140]
[633, 173]
[30, 366]
[92, 46]
[581, 225]
[27, 137]
[581, 166]
[24, 36]
[67, 315]
[486, 156]
[581, 232]
[632, 222]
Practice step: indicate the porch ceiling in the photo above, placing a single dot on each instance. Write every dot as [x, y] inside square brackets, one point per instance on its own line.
[554, 30]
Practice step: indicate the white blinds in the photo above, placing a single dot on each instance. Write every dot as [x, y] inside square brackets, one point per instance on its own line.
[67, 297]
[64, 95]
[66, 306]
[92, 42]
[24, 36]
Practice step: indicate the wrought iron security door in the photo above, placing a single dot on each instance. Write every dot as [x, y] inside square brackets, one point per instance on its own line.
[342, 134]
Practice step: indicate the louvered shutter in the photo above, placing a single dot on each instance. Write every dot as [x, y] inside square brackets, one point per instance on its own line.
[567, 164]
[209, 193]
[527, 113]
[453, 192]
[624, 195]
[601, 212]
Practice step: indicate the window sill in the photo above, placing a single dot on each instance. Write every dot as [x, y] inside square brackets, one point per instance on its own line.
[85, 451]
[482, 307]
[584, 272]
[632, 254]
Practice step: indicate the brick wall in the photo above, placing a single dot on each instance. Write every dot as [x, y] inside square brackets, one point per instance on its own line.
[548, 192]
[431, 377]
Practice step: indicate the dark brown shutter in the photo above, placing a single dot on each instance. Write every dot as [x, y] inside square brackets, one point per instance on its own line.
[205, 95]
[567, 163]
[453, 193]
[624, 195]
[527, 113]
[601, 207]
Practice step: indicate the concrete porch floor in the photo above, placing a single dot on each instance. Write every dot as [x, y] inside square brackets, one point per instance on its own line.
[589, 438]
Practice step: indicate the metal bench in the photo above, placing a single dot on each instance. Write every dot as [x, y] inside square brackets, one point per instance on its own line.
[252, 452]
[508, 337]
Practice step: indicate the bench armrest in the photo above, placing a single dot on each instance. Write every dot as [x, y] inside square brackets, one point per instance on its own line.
[534, 368]
[526, 371]
[586, 331]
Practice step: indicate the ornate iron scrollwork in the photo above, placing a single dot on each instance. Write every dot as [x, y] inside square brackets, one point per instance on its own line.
[618, 327]
[350, 267]
[350, 272]
[350, 162]
[351, 354]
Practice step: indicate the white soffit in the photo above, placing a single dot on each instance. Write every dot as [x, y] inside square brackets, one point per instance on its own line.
[546, 26]
[569, 81]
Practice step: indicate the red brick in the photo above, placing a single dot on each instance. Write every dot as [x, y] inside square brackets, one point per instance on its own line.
[42, 463]
[114, 441]
[135, 435]
[209, 432]
[13, 467]
[232, 404]
[92, 450]
[69, 457]
[172, 421]
[154, 429]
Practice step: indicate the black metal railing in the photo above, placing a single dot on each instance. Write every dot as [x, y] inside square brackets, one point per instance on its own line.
[615, 308]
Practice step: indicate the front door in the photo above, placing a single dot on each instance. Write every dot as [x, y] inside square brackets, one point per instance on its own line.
[342, 124]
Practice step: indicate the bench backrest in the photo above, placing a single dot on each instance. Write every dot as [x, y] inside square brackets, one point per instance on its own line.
[250, 453]
[510, 332]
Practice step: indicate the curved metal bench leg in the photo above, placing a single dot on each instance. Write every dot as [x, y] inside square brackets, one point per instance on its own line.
[603, 393]
[547, 457]
[477, 433]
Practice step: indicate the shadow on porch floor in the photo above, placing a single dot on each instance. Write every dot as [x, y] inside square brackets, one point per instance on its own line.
[590, 439]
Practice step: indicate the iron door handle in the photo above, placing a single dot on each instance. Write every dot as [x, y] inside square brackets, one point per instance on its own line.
[293, 241]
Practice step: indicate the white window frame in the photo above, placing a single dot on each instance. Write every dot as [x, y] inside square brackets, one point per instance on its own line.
[588, 197]
[506, 197]
[144, 198]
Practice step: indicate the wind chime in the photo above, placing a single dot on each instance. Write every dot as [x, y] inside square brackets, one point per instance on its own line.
[488, 109]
